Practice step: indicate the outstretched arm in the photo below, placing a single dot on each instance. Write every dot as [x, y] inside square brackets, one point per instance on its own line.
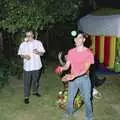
[66, 66]
[60, 59]
[60, 69]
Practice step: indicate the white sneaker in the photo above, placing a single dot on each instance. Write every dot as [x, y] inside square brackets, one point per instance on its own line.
[95, 92]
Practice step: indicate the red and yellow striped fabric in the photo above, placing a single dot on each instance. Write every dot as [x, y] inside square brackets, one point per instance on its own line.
[97, 46]
[101, 55]
[112, 52]
[104, 48]
[93, 43]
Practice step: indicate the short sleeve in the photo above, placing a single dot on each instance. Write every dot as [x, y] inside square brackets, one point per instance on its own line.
[40, 47]
[90, 58]
[20, 50]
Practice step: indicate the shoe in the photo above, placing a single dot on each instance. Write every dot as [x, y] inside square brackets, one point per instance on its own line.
[37, 94]
[95, 92]
[98, 96]
[26, 100]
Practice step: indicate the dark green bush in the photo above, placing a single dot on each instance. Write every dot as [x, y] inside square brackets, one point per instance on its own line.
[4, 72]
[16, 68]
[9, 68]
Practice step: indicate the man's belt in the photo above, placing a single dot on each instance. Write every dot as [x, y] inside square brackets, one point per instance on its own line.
[81, 75]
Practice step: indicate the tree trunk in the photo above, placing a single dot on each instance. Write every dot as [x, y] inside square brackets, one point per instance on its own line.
[93, 4]
[1, 45]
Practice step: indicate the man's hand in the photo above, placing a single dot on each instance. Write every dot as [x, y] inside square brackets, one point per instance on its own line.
[35, 51]
[68, 77]
[27, 57]
[58, 70]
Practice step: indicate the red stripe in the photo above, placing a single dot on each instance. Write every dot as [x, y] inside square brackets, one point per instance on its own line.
[106, 50]
[97, 46]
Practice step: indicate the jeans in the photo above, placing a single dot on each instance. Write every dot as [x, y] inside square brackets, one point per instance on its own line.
[84, 85]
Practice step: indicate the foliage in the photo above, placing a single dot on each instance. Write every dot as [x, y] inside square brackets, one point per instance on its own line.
[4, 72]
[34, 14]
[16, 68]
[9, 68]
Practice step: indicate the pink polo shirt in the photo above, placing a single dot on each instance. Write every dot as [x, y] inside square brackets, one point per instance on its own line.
[78, 59]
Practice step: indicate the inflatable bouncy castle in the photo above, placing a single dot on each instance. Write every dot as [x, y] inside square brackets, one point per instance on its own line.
[104, 32]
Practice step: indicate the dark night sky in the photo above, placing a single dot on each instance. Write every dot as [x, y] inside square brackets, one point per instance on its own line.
[109, 3]
[105, 3]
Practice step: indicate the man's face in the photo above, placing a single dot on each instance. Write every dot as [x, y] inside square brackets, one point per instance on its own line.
[79, 40]
[29, 36]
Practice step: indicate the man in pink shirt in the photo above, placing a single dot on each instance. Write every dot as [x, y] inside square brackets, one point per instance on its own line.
[79, 59]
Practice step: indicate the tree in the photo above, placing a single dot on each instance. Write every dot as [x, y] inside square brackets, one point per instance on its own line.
[34, 14]
[18, 15]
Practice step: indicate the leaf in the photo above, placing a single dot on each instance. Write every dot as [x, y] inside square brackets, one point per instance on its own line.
[37, 13]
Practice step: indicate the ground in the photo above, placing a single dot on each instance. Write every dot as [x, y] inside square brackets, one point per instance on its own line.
[12, 106]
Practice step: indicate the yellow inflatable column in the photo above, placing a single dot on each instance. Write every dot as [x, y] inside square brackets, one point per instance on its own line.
[101, 55]
[117, 57]
[112, 52]
[93, 43]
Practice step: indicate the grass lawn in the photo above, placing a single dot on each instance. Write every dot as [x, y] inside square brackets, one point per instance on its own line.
[106, 11]
[44, 108]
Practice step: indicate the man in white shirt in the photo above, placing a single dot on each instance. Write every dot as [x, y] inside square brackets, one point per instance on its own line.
[31, 50]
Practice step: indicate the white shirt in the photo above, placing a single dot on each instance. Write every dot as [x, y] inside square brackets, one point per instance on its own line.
[26, 48]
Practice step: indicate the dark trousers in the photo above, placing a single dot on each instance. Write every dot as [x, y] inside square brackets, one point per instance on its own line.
[31, 79]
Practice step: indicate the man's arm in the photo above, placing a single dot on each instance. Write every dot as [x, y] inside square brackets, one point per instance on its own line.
[40, 50]
[60, 69]
[60, 59]
[27, 57]
[21, 52]
[35, 51]
[66, 66]
[69, 77]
